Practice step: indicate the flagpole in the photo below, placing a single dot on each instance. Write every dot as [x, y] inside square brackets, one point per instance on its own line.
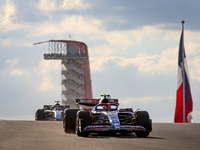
[183, 71]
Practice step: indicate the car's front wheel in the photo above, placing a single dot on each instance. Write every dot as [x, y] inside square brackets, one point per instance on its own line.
[82, 120]
[69, 120]
[143, 120]
[39, 114]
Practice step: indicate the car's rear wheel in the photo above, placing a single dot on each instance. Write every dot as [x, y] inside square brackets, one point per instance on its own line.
[143, 120]
[69, 120]
[82, 120]
[39, 114]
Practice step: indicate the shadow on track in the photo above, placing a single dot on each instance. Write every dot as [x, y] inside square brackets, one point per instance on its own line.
[130, 135]
[157, 138]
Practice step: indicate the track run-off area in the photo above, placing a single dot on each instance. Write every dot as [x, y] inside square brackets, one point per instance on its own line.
[49, 135]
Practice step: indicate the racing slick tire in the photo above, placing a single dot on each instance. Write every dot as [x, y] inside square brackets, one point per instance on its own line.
[83, 119]
[39, 114]
[143, 120]
[69, 120]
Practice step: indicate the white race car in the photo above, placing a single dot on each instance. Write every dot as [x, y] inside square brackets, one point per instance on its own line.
[51, 112]
[103, 116]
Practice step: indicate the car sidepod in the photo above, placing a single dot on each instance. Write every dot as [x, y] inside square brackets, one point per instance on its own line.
[58, 114]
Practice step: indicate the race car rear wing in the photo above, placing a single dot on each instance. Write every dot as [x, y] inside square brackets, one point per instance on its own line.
[93, 102]
[49, 106]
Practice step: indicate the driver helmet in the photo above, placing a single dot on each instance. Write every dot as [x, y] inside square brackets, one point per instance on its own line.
[105, 107]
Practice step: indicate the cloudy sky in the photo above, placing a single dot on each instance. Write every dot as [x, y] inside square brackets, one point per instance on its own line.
[133, 50]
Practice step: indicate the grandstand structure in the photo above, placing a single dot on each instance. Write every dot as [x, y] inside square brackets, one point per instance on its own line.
[75, 72]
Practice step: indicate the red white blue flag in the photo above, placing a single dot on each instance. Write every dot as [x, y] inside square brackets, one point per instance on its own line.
[184, 104]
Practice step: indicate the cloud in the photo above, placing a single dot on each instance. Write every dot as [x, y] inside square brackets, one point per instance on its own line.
[41, 76]
[48, 66]
[119, 38]
[74, 23]
[45, 72]
[194, 71]
[12, 62]
[192, 48]
[55, 5]
[46, 84]
[193, 60]
[157, 64]
[13, 69]
[102, 51]
[130, 37]
[146, 99]
[15, 42]
[8, 13]
[197, 113]
[19, 72]
[97, 64]
[153, 64]
[6, 42]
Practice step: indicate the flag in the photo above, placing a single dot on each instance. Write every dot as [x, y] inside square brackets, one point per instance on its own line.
[184, 104]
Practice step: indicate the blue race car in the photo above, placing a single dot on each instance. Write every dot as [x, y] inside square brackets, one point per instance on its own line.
[103, 116]
[51, 112]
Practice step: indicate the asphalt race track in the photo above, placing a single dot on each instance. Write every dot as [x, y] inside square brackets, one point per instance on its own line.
[49, 135]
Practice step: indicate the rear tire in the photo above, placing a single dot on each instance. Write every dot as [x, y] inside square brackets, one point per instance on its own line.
[69, 120]
[85, 121]
[39, 114]
[143, 120]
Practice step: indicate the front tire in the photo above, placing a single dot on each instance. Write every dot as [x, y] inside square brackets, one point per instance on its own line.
[69, 120]
[82, 120]
[143, 120]
[39, 114]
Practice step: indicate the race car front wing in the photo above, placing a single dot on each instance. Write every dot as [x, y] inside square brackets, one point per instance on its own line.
[99, 128]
